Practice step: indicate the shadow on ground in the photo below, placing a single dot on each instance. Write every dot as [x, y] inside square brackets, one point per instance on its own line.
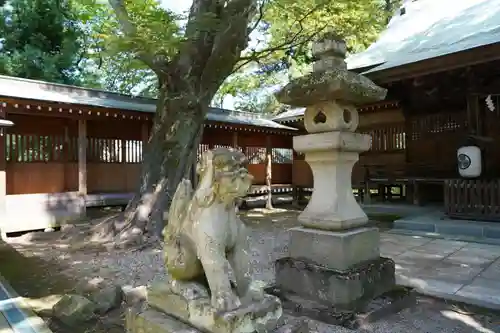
[41, 283]
[284, 217]
[39, 277]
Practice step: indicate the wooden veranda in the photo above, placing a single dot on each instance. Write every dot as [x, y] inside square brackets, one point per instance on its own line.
[72, 148]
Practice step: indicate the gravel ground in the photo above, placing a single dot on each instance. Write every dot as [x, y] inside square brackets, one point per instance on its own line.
[269, 242]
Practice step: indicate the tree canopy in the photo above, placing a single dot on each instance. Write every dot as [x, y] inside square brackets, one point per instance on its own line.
[82, 43]
[42, 40]
[358, 22]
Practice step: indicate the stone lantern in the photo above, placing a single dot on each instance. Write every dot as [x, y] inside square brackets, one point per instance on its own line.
[334, 256]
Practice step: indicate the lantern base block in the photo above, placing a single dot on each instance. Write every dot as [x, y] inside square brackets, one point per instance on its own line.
[347, 290]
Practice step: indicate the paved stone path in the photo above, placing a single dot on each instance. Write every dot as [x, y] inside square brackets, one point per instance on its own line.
[15, 316]
[4, 325]
[430, 265]
[456, 270]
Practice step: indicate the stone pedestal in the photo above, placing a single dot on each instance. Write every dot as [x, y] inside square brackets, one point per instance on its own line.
[185, 307]
[342, 268]
[346, 290]
[336, 250]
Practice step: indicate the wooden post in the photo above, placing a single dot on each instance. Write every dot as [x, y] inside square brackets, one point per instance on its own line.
[295, 195]
[235, 140]
[3, 177]
[409, 192]
[416, 194]
[367, 198]
[144, 136]
[235, 146]
[269, 171]
[381, 192]
[82, 157]
[295, 187]
[123, 144]
[388, 189]
[66, 158]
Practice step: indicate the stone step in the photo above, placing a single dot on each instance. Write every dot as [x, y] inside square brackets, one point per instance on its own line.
[441, 226]
[469, 239]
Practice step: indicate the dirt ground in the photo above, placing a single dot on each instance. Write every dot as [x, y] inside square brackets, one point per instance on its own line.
[41, 266]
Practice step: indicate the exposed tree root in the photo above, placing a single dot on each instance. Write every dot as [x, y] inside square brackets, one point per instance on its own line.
[109, 233]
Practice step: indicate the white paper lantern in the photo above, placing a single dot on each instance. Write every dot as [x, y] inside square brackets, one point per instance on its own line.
[469, 161]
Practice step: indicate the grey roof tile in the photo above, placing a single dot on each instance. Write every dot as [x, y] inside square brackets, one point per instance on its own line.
[290, 115]
[429, 29]
[51, 92]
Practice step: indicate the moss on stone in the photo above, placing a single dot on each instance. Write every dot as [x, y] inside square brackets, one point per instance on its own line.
[333, 84]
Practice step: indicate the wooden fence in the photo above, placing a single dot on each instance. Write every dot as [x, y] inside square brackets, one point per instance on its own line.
[472, 199]
[42, 154]
[44, 158]
[388, 137]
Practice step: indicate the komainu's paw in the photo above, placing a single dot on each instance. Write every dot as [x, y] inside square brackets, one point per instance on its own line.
[255, 291]
[225, 301]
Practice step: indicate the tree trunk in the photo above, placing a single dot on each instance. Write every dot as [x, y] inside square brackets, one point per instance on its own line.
[171, 151]
[188, 80]
[389, 10]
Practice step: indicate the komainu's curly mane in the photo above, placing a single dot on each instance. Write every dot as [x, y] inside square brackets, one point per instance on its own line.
[213, 166]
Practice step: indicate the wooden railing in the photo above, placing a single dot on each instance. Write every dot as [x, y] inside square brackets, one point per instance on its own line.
[472, 199]
[386, 137]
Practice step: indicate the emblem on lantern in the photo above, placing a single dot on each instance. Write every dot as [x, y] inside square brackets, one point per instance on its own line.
[469, 161]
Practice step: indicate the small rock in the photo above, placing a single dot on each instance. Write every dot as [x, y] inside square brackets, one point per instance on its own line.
[73, 309]
[298, 325]
[43, 306]
[107, 299]
[135, 295]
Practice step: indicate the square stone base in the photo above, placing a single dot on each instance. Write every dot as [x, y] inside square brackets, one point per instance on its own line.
[337, 250]
[151, 320]
[343, 289]
[190, 303]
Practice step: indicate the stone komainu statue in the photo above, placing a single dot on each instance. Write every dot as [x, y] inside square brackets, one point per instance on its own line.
[204, 233]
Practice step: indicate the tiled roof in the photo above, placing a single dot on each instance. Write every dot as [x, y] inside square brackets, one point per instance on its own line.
[429, 29]
[290, 115]
[51, 92]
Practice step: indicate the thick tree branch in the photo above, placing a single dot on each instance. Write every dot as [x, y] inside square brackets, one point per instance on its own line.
[256, 56]
[296, 39]
[130, 30]
[229, 43]
[259, 17]
[201, 29]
